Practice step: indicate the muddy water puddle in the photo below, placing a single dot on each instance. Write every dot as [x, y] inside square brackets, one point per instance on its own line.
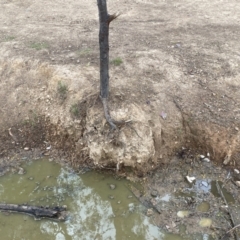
[100, 206]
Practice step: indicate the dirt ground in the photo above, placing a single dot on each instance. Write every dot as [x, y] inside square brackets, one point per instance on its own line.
[174, 75]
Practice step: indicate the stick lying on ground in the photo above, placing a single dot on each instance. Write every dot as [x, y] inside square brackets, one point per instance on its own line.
[56, 213]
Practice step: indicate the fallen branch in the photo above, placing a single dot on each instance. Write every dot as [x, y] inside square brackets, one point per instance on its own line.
[56, 213]
[237, 226]
[229, 212]
[141, 199]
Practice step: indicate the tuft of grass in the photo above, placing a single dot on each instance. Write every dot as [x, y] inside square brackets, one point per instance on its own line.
[74, 110]
[62, 90]
[8, 38]
[39, 45]
[33, 119]
[117, 61]
[84, 52]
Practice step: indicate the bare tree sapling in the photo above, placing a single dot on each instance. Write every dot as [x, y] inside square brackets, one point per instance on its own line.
[104, 21]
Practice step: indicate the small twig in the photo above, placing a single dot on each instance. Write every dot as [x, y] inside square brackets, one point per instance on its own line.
[127, 123]
[221, 193]
[231, 217]
[108, 168]
[233, 229]
[138, 195]
[227, 179]
[133, 129]
[10, 133]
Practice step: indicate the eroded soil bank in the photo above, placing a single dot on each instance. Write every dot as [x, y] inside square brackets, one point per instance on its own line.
[174, 78]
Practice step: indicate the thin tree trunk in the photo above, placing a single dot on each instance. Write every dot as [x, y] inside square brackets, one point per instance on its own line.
[104, 20]
[56, 213]
[104, 48]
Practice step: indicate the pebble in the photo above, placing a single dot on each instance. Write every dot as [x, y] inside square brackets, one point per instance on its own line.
[112, 186]
[190, 179]
[153, 201]
[182, 214]
[206, 160]
[238, 183]
[149, 212]
[131, 207]
[154, 193]
[204, 183]
[163, 115]
[202, 156]
[236, 171]
[26, 148]
[224, 208]
[111, 197]
[21, 171]
[177, 45]
[205, 222]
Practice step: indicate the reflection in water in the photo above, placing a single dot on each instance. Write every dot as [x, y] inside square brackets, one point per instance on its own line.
[203, 185]
[146, 229]
[93, 215]
[166, 197]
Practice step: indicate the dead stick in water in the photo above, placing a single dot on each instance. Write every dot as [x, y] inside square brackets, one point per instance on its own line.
[138, 195]
[231, 217]
[56, 213]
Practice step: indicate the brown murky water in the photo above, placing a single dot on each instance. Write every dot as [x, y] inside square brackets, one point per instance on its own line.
[100, 207]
